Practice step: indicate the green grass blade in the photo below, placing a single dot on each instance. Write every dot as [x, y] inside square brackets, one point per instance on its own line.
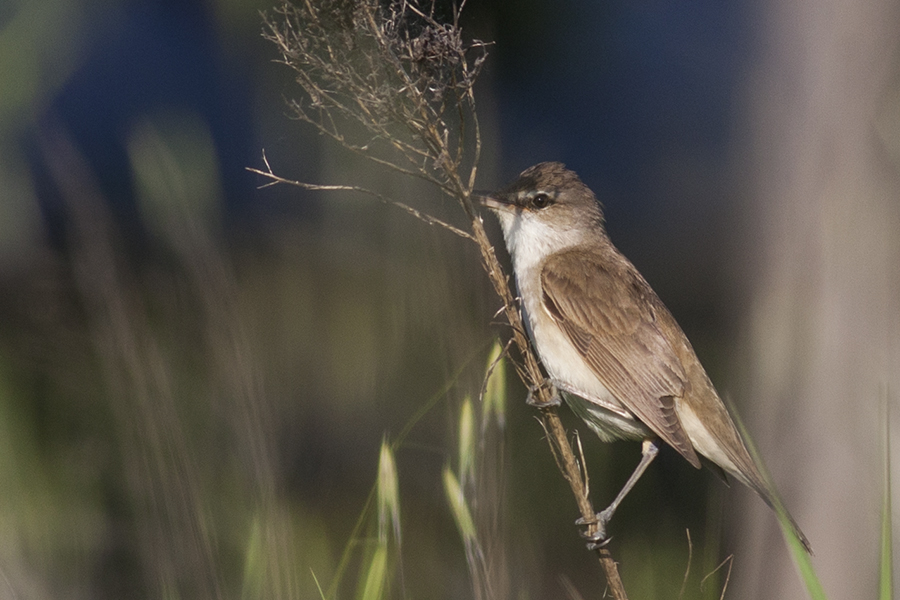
[318, 585]
[460, 509]
[388, 495]
[494, 402]
[802, 558]
[254, 563]
[885, 576]
[376, 575]
[886, 582]
[466, 443]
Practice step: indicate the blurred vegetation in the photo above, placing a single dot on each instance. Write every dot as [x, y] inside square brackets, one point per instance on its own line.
[200, 382]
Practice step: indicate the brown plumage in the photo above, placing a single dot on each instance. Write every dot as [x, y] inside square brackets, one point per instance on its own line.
[609, 313]
[604, 336]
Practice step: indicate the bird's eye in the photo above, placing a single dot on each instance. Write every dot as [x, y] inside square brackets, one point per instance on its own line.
[541, 200]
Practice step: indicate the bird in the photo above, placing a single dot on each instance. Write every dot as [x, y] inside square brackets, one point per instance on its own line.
[607, 342]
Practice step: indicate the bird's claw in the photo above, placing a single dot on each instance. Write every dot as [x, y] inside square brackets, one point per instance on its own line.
[597, 539]
[555, 400]
[598, 545]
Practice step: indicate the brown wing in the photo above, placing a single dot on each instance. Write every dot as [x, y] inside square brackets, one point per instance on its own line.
[608, 311]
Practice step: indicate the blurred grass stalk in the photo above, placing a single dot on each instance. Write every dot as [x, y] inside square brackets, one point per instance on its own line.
[474, 493]
[167, 416]
[376, 576]
[467, 494]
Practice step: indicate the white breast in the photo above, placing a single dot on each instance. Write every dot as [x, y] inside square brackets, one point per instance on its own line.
[529, 247]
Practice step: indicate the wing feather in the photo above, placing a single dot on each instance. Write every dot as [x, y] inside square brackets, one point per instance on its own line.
[609, 313]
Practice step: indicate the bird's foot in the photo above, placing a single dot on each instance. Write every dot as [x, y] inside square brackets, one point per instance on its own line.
[531, 399]
[597, 539]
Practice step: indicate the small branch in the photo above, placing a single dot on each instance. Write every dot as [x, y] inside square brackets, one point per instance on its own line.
[687, 570]
[730, 561]
[275, 180]
[561, 447]
[405, 150]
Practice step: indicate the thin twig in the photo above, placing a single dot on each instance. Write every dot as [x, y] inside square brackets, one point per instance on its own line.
[730, 561]
[275, 180]
[583, 462]
[687, 570]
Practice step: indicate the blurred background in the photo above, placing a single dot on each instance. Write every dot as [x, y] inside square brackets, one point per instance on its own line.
[196, 375]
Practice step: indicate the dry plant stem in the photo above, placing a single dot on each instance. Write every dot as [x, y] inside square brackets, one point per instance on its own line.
[531, 375]
[413, 77]
[353, 188]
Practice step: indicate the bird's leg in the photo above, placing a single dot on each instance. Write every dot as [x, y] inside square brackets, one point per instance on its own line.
[649, 450]
[555, 399]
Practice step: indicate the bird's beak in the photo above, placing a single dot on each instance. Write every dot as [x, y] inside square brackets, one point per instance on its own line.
[492, 200]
